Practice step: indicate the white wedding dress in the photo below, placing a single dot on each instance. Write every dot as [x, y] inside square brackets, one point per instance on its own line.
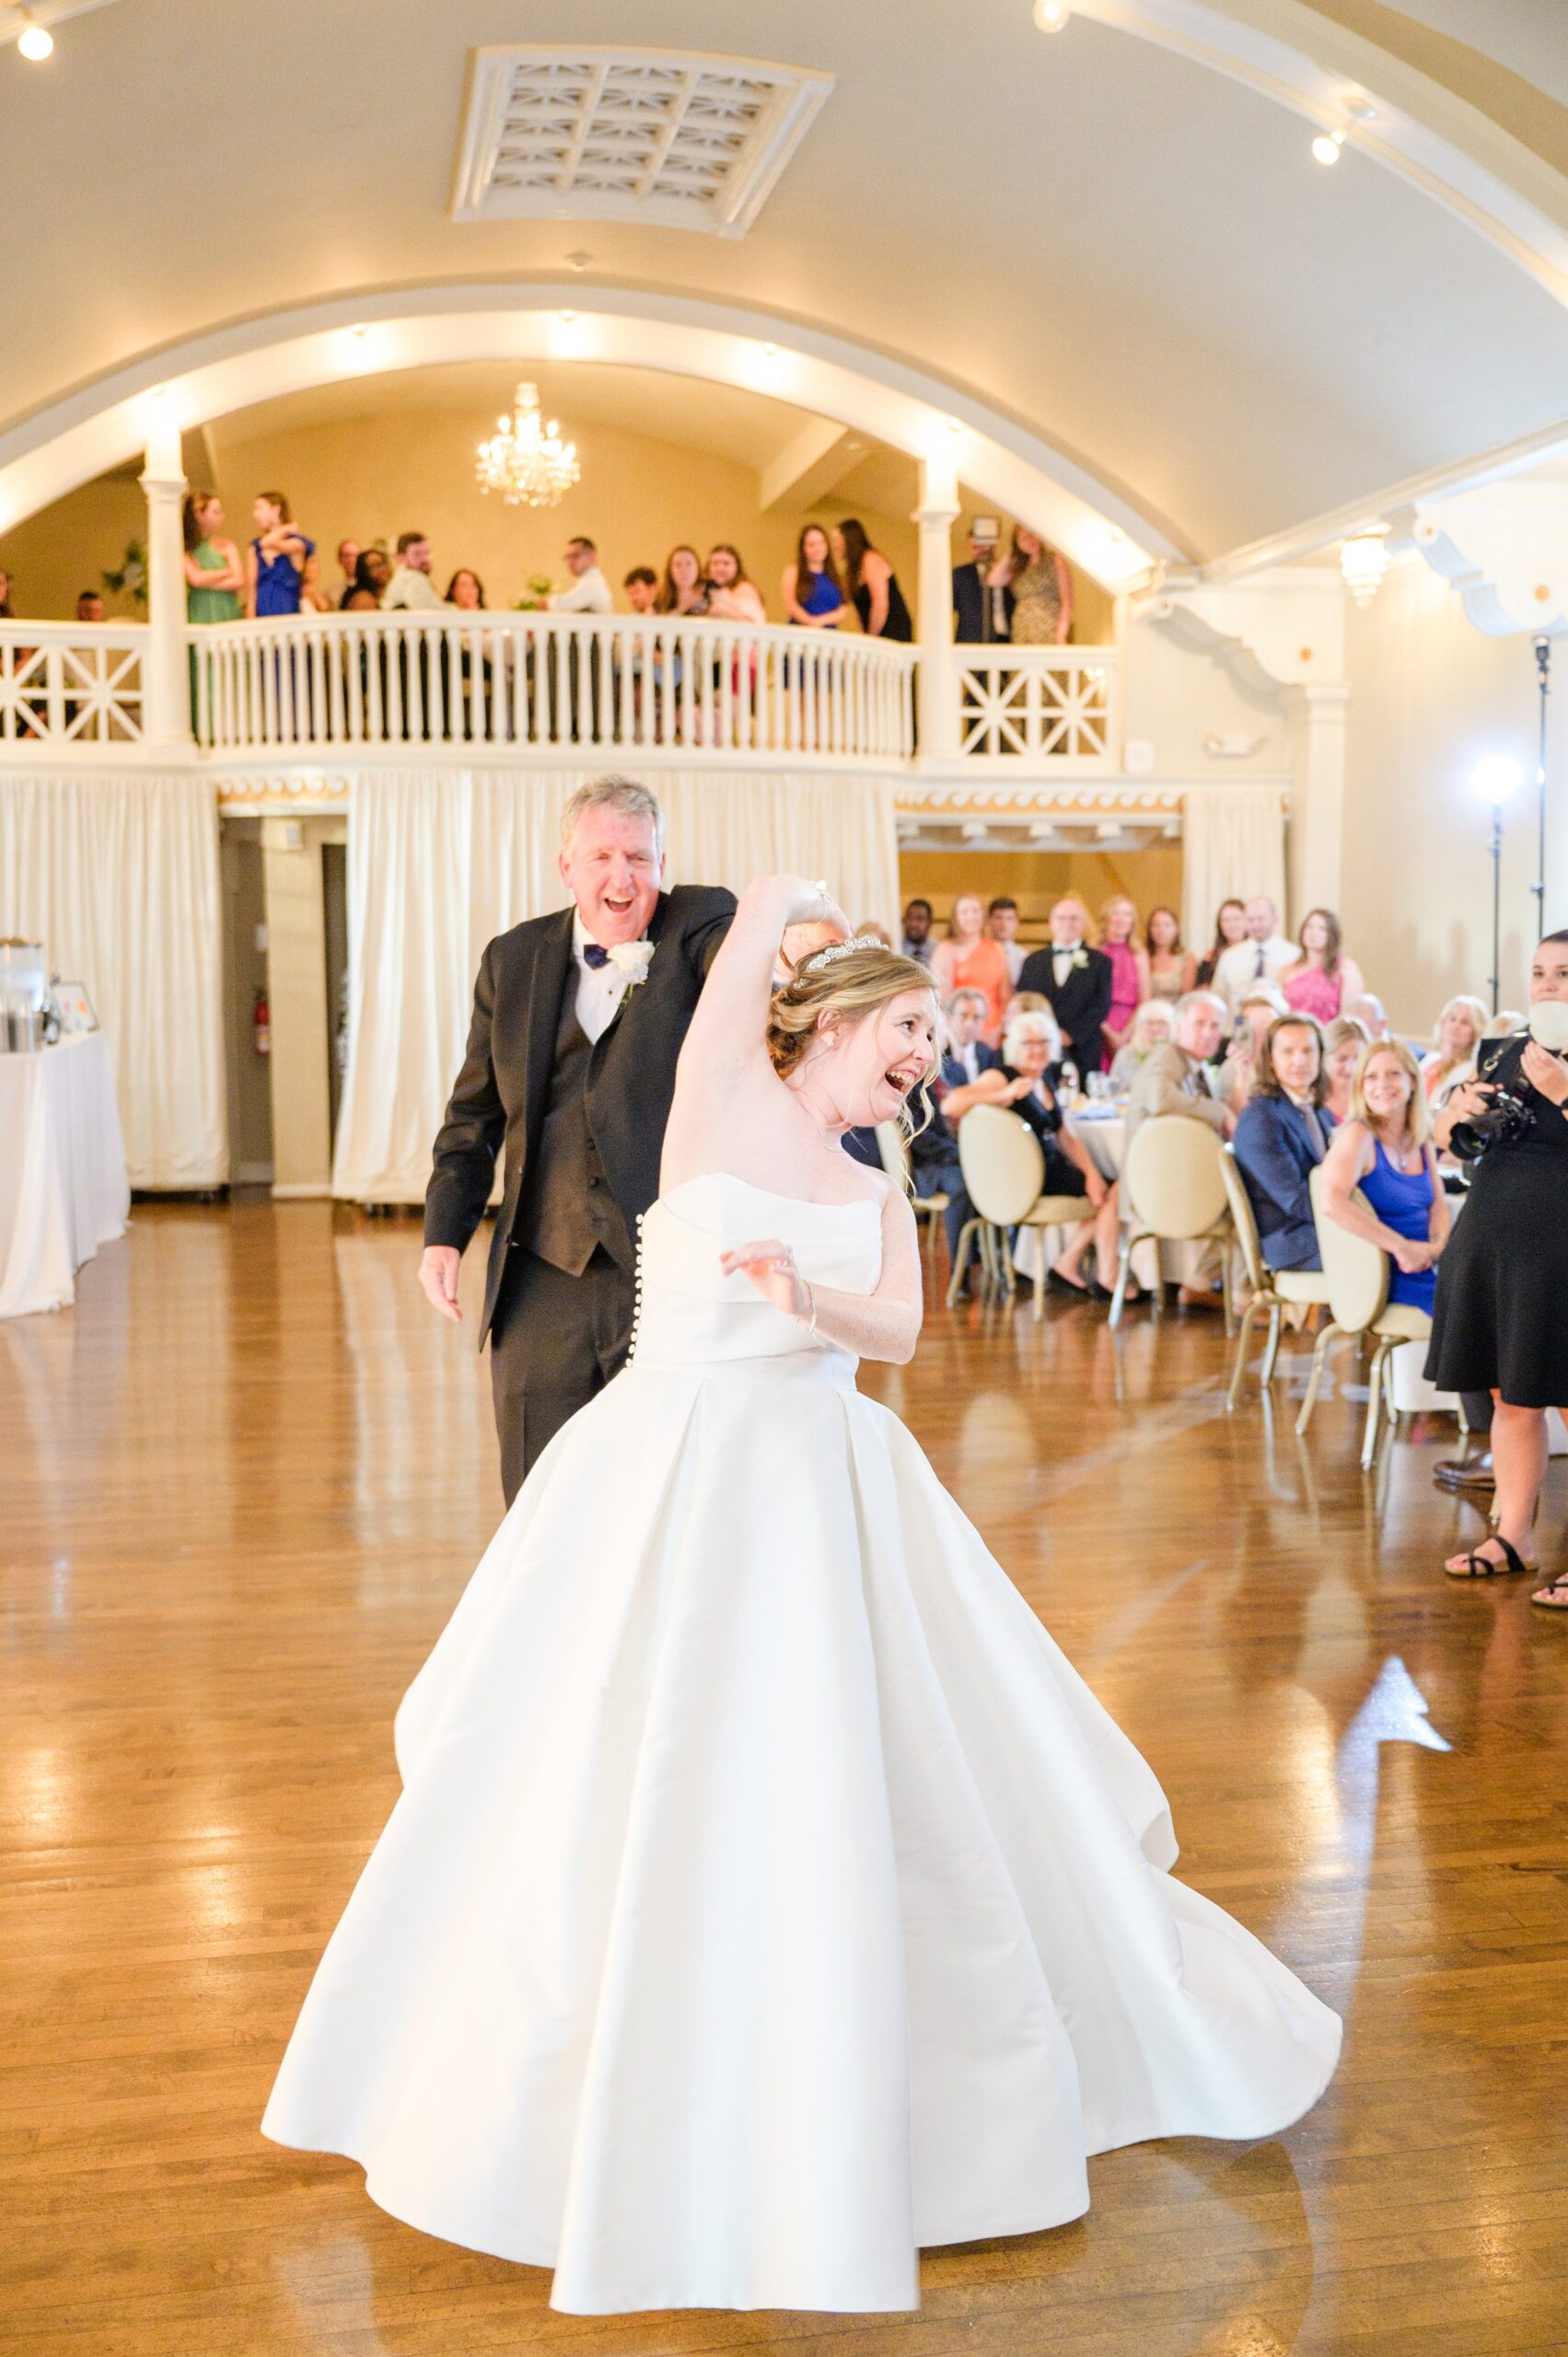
[767, 1897]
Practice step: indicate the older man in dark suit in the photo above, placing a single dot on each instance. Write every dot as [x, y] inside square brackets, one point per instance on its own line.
[1076, 980]
[578, 1019]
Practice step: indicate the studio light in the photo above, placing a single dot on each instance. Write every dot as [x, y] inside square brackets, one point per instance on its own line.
[1051, 15]
[1364, 560]
[1494, 780]
[34, 42]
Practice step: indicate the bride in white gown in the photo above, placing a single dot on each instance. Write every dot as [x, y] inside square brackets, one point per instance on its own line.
[768, 1898]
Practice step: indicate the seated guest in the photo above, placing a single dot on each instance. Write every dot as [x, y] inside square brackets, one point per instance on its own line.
[1177, 1078]
[1322, 978]
[1002, 924]
[640, 585]
[1282, 1136]
[1153, 1025]
[1022, 1084]
[917, 941]
[411, 589]
[967, 1055]
[89, 606]
[1342, 1044]
[969, 959]
[869, 930]
[1368, 1008]
[1451, 1061]
[1505, 1024]
[589, 592]
[1385, 1151]
[1258, 1007]
[1076, 980]
[1260, 956]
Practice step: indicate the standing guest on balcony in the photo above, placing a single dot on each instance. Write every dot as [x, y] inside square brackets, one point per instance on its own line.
[983, 616]
[966, 1055]
[7, 612]
[589, 592]
[411, 590]
[1282, 1136]
[373, 572]
[1153, 1026]
[1342, 1044]
[276, 561]
[872, 584]
[640, 585]
[1002, 924]
[89, 605]
[1130, 980]
[349, 554]
[917, 941]
[1230, 928]
[1173, 971]
[360, 601]
[1322, 978]
[813, 594]
[215, 575]
[578, 1018]
[1075, 980]
[970, 960]
[1262, 955]
[1041, 587]
[466, 591]
[684, 589]
[733, 596]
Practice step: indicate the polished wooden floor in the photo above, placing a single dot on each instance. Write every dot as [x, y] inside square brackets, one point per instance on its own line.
[241, 1485]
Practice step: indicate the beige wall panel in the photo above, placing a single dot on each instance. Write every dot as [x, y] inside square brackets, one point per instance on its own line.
[297, 998]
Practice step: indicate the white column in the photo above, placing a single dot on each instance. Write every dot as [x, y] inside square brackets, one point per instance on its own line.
[1316, 830]
[165, 679]
[936, 692]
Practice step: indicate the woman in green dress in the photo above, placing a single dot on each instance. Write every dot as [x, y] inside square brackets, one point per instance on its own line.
[215, 577]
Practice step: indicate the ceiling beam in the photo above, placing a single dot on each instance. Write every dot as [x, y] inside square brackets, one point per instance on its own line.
[811, 464]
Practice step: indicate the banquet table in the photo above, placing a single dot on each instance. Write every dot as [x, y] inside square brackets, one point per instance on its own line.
[64, 1191]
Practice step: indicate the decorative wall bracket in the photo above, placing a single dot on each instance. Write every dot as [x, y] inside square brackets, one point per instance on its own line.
[1504, 548]
[1283, 628]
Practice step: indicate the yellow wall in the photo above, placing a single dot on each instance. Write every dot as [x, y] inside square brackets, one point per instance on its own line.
[67, 547]
[1036, 878]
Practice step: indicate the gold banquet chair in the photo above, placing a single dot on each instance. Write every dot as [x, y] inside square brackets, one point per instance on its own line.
[1357, 1275]
[1273, 1289]
[896, 1163]
[1173, 1191]
[1003, 1167]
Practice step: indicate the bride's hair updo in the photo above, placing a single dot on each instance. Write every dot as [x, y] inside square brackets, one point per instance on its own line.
[852, 985]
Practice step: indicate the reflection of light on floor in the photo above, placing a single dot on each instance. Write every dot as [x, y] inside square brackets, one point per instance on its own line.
[330, 2287]
[43, 1786]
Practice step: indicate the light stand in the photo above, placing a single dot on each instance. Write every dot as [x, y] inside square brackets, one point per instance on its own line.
[1543, 682]
[1494, 780]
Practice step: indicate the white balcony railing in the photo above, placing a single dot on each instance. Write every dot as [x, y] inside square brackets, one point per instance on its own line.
[70, 684]
[541, 681]
[1029, 708]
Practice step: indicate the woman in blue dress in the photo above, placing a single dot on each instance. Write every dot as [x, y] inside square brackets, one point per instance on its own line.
[278, 560]
[1385, 1150]
[813, 594]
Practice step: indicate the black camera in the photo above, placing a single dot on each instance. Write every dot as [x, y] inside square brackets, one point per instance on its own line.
[1506, 1120]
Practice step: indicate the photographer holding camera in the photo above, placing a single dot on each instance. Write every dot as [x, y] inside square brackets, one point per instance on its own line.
[1501, 1319]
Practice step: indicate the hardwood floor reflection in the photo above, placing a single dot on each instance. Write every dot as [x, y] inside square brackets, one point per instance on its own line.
[245, 1480]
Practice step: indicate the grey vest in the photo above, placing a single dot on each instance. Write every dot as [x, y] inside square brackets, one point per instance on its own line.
[567, 1208]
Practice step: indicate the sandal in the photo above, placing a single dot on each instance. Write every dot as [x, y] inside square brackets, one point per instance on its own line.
[1476, 1566]
[1057, 1282]
[1553, 1597]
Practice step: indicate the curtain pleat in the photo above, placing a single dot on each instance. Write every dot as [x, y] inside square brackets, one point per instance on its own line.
[1232, 847]
[118, 877]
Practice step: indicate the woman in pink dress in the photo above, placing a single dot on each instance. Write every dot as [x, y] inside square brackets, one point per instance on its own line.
[970, 960]
[1129, 963]
[1322, 979]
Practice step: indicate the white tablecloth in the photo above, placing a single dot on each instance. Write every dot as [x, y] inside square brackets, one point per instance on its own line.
[63, 1185]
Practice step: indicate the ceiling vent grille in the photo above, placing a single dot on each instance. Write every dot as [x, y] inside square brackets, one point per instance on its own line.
[627, 134]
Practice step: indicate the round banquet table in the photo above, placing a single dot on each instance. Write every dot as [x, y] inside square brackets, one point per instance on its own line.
[63, 1185]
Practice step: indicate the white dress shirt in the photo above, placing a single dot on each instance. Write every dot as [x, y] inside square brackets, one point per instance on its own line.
[589, 594]
[1247, 962]
[600, 988]
[412, 592]
[969, 1056]
[1014, 952]
[1062, 961]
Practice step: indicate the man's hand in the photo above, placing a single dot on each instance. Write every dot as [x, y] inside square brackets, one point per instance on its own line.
[438, 1280]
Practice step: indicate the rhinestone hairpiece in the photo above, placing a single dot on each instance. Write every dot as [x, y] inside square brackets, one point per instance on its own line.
[842, 949]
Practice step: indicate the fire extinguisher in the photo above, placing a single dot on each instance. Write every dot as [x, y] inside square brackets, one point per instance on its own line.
[262, 1026]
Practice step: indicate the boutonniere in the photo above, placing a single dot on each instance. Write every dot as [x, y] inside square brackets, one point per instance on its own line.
[1080, 957]
[631, 960]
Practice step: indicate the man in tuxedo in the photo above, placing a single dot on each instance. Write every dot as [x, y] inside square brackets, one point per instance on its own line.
[1077, 981]
[982, 616]
[578, 1018]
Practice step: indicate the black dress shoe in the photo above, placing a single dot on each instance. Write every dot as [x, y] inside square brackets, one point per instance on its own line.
[1466, 1472]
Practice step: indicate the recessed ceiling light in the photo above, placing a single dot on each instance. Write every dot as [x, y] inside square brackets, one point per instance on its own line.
[34, 42]
[580, 260]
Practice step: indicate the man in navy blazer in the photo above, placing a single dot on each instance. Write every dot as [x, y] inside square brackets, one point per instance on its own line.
[965, 1055]
[1280, 1138]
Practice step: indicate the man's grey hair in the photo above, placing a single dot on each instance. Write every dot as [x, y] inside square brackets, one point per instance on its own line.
[1190, 999]
[967, 998]
[612, 792]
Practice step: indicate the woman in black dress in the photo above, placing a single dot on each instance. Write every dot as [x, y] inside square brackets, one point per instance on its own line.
[872, 584]
[1501, 1319]
[1031, 1054]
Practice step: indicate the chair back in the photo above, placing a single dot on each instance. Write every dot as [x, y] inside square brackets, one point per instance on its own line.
[1245, 1220]
[1003, 1164]
[1174, 1177]
[895, 1153]
[1357, 1271]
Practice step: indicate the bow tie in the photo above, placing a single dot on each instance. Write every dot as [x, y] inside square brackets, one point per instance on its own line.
[594, 955]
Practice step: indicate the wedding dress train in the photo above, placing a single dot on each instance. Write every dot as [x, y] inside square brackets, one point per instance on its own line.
[767, 1897]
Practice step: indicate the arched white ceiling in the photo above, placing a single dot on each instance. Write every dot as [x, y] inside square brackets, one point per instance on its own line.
[1125, 256]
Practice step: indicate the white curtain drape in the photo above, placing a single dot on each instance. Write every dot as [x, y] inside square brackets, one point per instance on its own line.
[441, 859]
[118, 876]
[1233, 846]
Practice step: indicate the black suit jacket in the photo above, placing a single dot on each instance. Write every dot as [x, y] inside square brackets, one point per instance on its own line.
[972, 608]
[500, 1096]
[1080, 1006]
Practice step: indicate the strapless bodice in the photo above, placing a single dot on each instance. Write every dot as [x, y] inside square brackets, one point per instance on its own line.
[690, 1314]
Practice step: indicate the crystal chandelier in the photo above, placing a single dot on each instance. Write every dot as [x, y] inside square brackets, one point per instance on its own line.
[527, 461]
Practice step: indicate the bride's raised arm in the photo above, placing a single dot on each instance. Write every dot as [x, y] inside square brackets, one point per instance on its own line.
[727, 1041]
